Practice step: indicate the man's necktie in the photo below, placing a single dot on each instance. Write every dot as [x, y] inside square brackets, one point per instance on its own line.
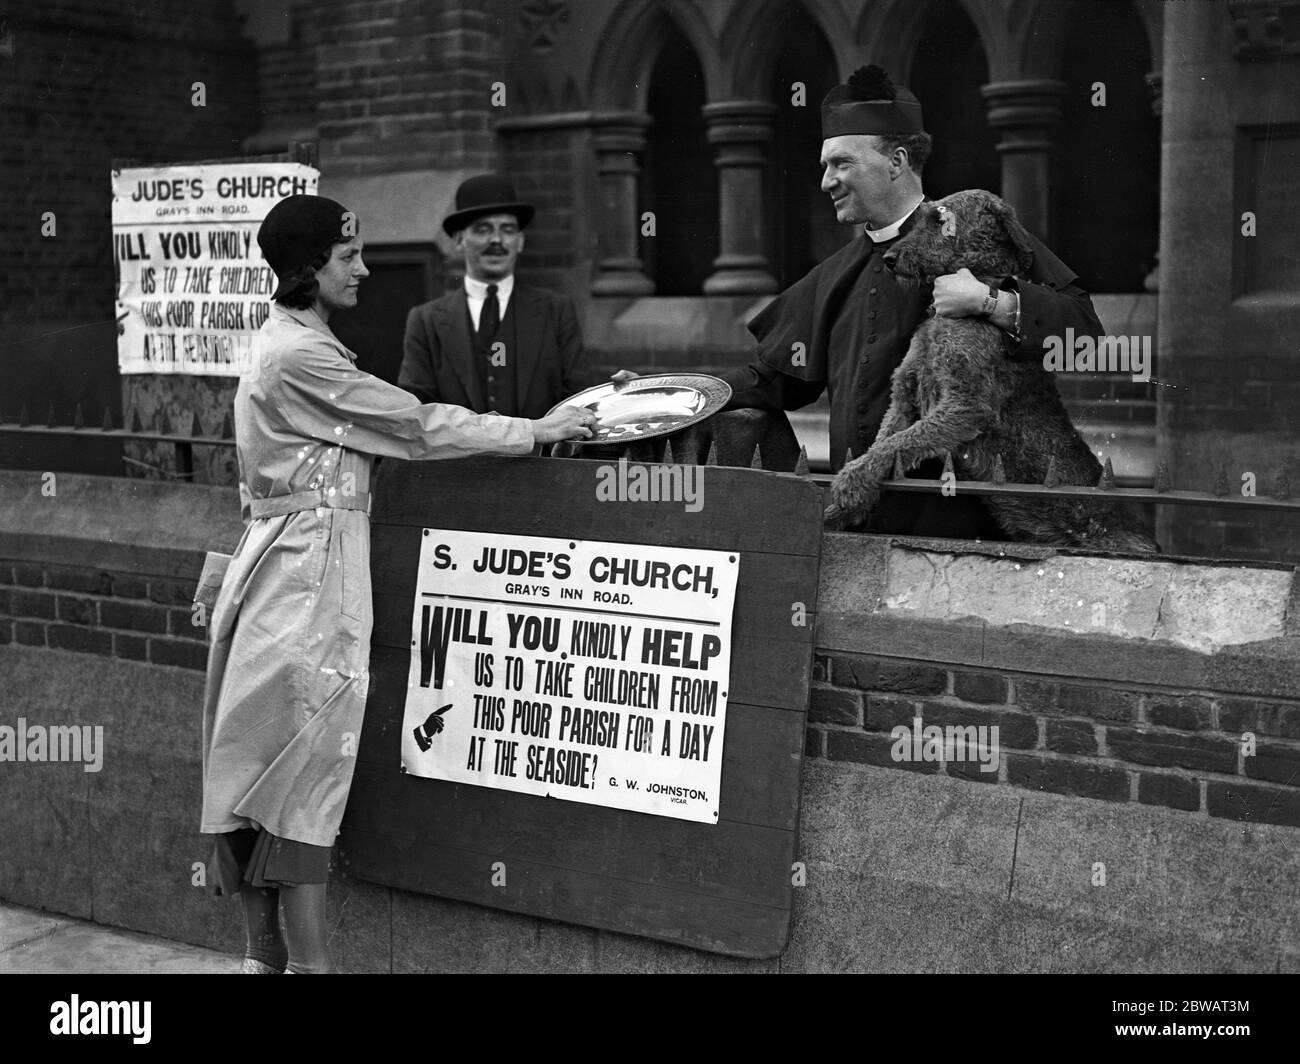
[490, 317]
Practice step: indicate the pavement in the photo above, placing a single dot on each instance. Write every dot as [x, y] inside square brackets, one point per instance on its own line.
[37, 942]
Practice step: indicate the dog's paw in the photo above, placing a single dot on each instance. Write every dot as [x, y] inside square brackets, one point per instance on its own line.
[855, 491]
[834, 519]
[854, 494]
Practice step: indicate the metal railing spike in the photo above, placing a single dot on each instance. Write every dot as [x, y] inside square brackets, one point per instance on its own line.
[1107, 479]
[1162, 482]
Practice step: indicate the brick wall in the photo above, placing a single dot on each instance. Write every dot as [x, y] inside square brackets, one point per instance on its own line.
[1157, 746]
[123, 615]
[90, 82]
[545, 166]
[1181, 749]
[1142, 774]
[286, 76]
[286, 80]
[405, 85]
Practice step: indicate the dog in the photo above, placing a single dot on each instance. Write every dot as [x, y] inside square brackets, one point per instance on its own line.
[956, 392]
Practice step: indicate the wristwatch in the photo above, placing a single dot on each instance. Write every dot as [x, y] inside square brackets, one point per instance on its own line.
[1011, 330]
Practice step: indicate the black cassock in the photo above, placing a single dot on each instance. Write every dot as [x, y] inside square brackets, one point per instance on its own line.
[846, 326]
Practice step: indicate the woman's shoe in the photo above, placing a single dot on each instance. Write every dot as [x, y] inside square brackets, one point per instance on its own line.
[252, 966]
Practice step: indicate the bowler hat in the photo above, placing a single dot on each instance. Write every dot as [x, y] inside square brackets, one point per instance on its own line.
[485, 194]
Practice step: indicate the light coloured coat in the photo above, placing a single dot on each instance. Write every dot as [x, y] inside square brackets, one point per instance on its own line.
[290, 632]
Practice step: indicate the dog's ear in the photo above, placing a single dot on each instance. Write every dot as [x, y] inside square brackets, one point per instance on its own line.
[1017, 234]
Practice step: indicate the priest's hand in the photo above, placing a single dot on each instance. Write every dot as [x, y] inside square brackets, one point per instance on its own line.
[959, 295]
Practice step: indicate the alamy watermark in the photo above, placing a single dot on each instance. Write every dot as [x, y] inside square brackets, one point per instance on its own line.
[58, 742]
[651, 483]
[1090, 354]
[77, 1017]
[956, 742]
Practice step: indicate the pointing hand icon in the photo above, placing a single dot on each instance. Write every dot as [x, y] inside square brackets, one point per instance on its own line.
[433, 725]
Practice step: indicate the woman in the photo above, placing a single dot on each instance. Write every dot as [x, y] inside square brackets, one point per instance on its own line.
[287, 667]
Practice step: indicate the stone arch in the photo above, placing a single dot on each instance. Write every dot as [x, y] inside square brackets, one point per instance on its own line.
[948, 69]
[679, 181]
[889, 32]
[749, 69]
[631, 41]
[1039, 38]
[1040, 28]
[1152, 14]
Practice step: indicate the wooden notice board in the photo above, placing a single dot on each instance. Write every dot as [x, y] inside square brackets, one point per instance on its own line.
[723, 887]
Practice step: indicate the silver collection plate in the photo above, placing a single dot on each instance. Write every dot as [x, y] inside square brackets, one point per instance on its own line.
[642, 408]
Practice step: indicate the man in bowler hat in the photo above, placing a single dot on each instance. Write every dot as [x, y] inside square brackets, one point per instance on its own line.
[494, 345]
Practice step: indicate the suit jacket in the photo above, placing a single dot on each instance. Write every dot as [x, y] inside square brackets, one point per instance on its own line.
[438, 366]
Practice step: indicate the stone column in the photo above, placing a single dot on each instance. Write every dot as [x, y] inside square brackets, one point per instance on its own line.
[1156, 83]
[619, 139]
[742, 131]
[1025, 112]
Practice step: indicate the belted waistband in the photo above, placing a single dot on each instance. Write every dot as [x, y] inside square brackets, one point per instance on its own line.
[279, 505]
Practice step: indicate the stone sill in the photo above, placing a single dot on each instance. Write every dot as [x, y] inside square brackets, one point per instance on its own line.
[1175, 622]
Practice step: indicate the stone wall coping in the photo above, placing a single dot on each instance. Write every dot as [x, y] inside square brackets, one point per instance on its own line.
[1175, 622]
[152, 527]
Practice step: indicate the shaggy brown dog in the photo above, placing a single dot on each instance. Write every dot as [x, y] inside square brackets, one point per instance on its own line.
[957, 392]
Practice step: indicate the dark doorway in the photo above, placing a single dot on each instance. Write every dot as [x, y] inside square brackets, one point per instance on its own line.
[400, 278]
[806, 231]
[679, 181]
[1106, 207]
[948, 71]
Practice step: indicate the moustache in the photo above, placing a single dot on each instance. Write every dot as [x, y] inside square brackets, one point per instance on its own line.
[494, 249]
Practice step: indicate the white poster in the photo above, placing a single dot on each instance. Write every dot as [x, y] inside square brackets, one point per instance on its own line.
[192, 286]
[593, 672]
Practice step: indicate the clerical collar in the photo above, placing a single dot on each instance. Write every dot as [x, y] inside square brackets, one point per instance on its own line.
[478, 290]
[879, 236]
